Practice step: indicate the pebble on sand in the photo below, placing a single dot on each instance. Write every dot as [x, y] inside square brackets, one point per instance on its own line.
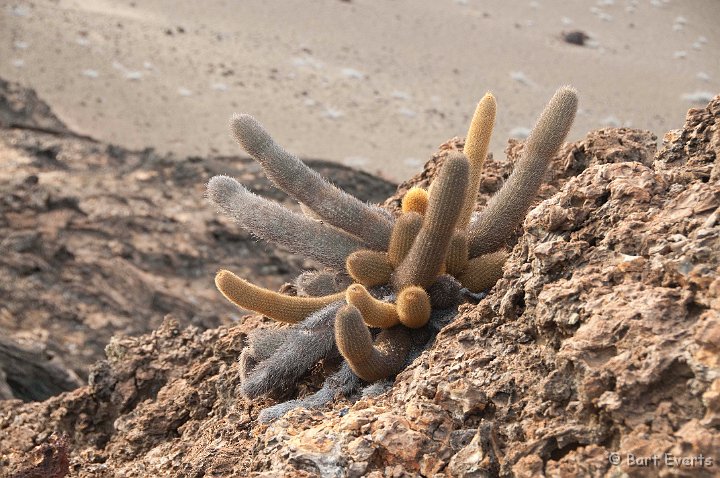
[21, 11]
[575, 37]
[679, 23]
[610, 121]
[332, 113]
[355, 161]
[519, 132]
[308, 61]
[520, 77]
[182, 91]
[90, 73]
[407, 112]
[412, 162]
[699, 97]
[352, 73]
[604, 16]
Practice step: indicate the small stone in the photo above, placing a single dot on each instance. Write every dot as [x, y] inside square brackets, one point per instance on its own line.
[575, 37]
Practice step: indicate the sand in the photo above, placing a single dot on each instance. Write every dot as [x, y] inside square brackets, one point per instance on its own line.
[376, 85]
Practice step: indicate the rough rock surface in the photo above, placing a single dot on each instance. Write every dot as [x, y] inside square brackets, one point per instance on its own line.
[21, 107]
[603, 336]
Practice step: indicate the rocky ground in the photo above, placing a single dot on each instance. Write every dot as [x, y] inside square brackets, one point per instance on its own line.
[601, 337]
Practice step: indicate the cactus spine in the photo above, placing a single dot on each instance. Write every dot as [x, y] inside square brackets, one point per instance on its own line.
[406, 229]
[476, 147]
[272, 222]
[426, 257]
[369, 268]
[484, 271]
[413, 307]
[280, 307]
[375, 313]
[415, 200]
[369, 361]
[457, 256]
[294, 177]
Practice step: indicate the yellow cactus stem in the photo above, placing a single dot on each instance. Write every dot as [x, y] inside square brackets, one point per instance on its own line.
[415, 200]
[484, 271]
[457, 257]
[376, 313]
[407, 227]
[369, 268]
[413, 307]
[508, 207]
[371, 362]
[280, 307]
[476, 148]
[425, 259]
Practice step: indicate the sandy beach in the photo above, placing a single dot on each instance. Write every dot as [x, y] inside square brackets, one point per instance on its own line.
[372, 85]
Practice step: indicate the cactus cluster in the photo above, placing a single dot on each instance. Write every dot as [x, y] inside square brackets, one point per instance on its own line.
[393, 281]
